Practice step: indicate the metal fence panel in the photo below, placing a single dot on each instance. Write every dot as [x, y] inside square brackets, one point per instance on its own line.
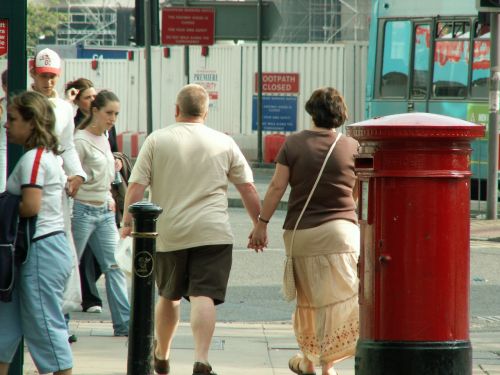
[228, 72]
[220, 74]
[172, 78]
[318, 65]
[110, 75]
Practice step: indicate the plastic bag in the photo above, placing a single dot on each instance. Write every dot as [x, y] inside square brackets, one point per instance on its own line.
[72, 297]
[123, 255]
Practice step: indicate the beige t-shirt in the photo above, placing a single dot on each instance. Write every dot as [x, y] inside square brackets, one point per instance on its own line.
[188, 167]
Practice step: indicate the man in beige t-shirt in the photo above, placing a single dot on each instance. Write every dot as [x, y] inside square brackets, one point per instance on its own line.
[188, 167]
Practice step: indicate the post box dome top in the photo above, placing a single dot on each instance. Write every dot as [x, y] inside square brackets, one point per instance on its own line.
[414, 125]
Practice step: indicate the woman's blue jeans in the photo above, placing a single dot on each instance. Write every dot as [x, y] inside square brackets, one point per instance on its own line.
[96, 226]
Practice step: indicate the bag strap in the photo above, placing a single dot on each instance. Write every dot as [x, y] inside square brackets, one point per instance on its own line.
[313, 188]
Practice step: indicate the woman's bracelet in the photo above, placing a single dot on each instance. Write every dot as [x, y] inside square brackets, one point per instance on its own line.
[262, 219]
[126, 224]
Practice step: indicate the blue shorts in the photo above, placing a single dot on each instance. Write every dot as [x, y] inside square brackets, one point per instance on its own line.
[36, 307]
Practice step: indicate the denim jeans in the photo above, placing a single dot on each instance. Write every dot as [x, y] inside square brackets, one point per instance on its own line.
[36, 307]
[96, 226]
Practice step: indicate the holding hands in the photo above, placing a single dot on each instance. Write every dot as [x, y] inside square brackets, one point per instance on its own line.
[257, 239]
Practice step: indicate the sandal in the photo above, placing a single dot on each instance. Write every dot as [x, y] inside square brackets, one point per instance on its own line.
[294, 365]
[161, 366]
[200, 368]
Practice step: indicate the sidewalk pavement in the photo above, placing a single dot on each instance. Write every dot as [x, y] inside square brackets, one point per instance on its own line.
[237, 349]
[485, 230]
[246, 348]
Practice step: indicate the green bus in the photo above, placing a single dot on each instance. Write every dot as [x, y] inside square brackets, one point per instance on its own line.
[431, 56]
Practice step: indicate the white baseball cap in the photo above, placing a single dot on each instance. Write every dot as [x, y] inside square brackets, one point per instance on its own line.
[47, 61]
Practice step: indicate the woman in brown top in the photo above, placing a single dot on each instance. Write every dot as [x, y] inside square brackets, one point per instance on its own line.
[326, 242]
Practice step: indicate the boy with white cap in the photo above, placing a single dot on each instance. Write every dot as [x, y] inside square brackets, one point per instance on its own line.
[45, 73]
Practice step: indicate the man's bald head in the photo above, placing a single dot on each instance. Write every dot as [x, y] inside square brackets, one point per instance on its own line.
[192, 101]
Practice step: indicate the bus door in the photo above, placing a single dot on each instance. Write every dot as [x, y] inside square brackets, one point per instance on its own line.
[405, 60]
[391, 84]
[419, 90]
[450, 90]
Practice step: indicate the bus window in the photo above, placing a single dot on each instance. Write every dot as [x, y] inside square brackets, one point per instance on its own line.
[444, 30]
[422, 50]
[395, 62]
[480, 61]
[461, 30]
[451, 59]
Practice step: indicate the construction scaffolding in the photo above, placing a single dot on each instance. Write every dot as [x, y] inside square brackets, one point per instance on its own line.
[103, 23]
[323, 21]
[94, 25]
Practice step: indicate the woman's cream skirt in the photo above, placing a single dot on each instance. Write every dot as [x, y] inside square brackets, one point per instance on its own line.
[326, 320]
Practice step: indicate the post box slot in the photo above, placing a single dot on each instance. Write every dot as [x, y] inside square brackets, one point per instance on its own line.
[363, 163]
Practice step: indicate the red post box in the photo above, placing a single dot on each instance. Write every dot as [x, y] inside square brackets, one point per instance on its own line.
[414, 264]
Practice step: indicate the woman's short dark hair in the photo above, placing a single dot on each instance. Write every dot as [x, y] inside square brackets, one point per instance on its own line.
[36, 108]
[327, 108]
[100, 101]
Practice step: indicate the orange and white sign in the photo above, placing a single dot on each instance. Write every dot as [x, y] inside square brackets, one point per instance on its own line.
[278, 83]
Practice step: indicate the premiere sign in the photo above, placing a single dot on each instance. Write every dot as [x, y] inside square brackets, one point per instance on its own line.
[4, 36]
[188, 26]
[278, 83]
[209, 79]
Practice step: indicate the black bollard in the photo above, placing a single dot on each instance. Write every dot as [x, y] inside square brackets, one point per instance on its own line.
[141, 332]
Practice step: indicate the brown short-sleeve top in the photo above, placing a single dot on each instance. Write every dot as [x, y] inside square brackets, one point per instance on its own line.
[304, 153]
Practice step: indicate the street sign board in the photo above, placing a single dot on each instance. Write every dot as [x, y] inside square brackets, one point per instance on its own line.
[187, 26]
[279, 113]
[4, 36]
[278, 83]
[237, 20]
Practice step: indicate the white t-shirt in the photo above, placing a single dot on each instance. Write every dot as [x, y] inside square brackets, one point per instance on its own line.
[189, 167]
[42, 169]
[64, 129]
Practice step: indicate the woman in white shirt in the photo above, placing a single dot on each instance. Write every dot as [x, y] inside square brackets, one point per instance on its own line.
[38, 177]
[94, 209]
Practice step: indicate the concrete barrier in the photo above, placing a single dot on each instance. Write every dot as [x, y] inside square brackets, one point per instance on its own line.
[130, 143]
[247, 145]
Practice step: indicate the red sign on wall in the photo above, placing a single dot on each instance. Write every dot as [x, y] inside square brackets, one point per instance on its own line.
[188, 26]
[278, 83]
[4, 36]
